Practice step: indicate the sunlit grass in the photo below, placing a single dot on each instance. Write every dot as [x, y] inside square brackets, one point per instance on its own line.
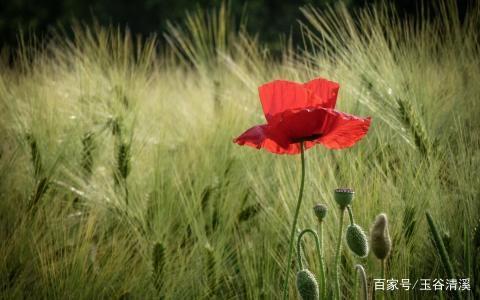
[221, 211]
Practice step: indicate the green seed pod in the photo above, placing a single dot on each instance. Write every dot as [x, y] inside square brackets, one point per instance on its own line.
[357, 240]
[380, 241]
[320, 211]
[344, 197]
[307, 285]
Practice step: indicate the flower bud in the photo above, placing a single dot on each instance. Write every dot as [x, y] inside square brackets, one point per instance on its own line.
[307, 285]
[357, 240]
[320, 211]
[343, 196]
[380, 237]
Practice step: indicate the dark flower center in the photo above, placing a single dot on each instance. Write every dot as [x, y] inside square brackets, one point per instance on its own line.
[305, 138]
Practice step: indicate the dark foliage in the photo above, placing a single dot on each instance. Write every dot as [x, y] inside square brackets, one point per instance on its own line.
[270, 18]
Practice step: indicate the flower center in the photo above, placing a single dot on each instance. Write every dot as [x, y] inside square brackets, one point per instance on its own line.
[305, 138]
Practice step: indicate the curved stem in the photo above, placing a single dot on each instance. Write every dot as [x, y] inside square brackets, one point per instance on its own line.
[363, 276]
[294, 225]
[299, 251]
[319, 254]
[337, 256]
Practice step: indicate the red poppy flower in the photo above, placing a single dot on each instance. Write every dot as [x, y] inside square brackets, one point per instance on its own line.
[297, 112]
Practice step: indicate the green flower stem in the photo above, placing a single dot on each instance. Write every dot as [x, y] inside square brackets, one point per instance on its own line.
[319, 254]
[350, 215]
[383, 277]
[337, 256]
[323, 278]
[294, 225]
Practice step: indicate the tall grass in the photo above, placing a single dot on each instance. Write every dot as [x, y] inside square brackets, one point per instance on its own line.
[205, 218]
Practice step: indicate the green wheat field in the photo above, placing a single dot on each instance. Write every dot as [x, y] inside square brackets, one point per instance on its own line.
[119, 178]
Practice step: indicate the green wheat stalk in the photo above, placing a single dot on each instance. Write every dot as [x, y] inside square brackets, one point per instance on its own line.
[158, 263]
[88, 146]
[35, 156]
[439, 245]
[412, 121]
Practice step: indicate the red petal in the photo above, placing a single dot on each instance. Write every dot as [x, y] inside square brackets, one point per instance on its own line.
[268, 137]
[302, 123]
[325, 90]
[281, 95]
[343, 130]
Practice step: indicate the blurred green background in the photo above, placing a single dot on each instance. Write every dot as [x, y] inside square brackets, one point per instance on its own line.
[119, 178]
[271, 19]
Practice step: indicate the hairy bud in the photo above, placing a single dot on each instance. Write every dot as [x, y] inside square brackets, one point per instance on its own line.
[380, 241]
[357, 240]
[307, 285]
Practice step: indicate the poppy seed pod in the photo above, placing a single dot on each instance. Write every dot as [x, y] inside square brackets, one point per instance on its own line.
[380, 237]
[357, 240]
[320, 211]
[307, 285]
[344, 197]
